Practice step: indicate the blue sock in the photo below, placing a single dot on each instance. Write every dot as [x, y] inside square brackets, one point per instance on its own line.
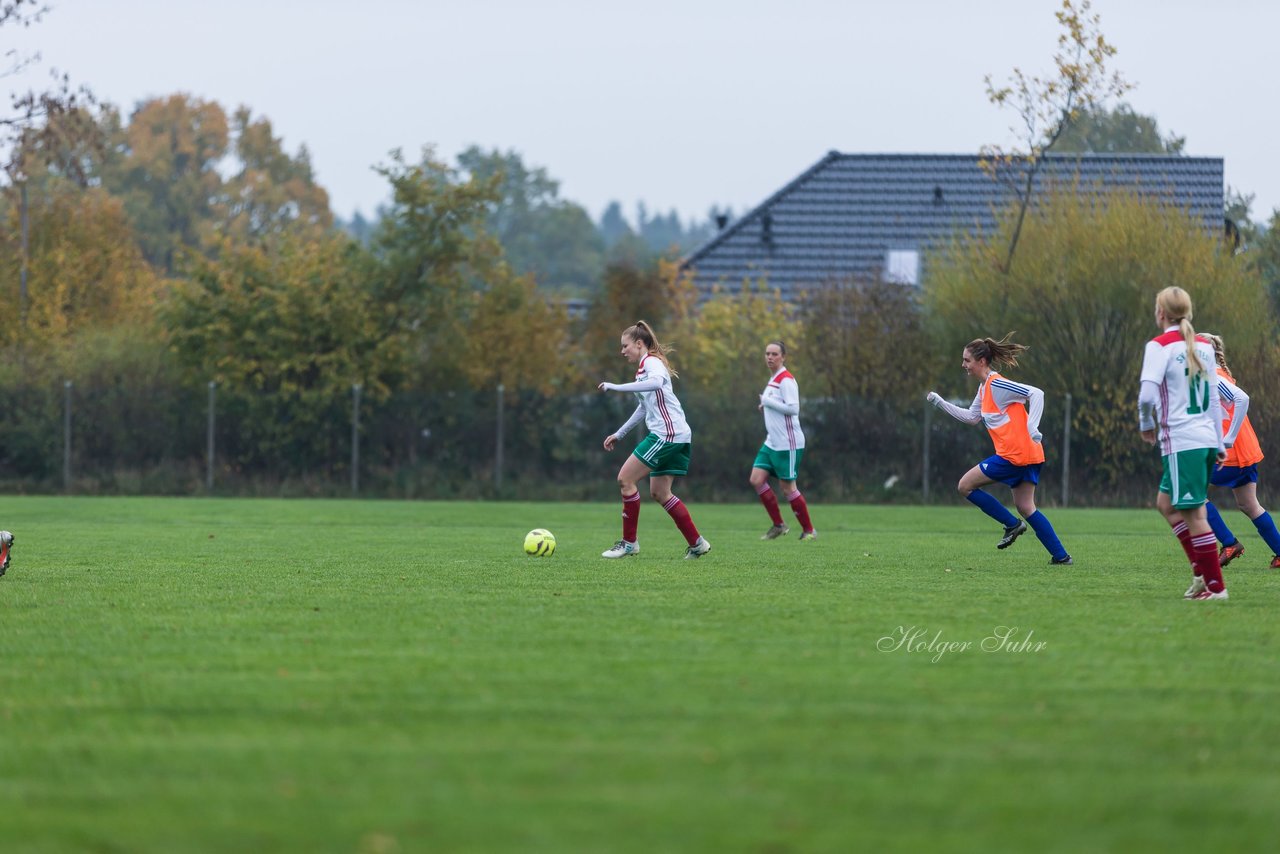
[1267, 528]
[1220, 529]
[988, 504]
[1044, 531]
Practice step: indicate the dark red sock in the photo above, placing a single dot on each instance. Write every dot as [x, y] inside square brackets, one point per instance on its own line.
[770, 502]
[1183, 533]
[630, 516]
[683, 520]
[1206, 546]
[801, 509]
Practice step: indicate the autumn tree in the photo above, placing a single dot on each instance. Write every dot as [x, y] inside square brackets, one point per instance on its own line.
[871, 339]
[1046, 107]
[164, 165]
[34, 112]
[273, 191]
[1100, 130]
[649, 289]
[85, 268]
[725, 341]
[541, 234]
[431, 254]
[285, 331]
[515, 337]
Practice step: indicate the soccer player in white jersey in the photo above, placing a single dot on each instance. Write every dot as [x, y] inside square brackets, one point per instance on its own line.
[6, 543]
[783, 446]
[1011, 413]
[1178, 407]
[663, 454]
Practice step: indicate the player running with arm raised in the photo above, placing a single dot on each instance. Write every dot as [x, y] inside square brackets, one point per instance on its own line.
[1011, 413]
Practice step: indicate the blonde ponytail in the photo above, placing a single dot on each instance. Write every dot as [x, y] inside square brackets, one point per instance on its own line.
[1175, 304]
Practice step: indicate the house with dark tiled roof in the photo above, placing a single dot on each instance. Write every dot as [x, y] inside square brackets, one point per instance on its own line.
[876, 215]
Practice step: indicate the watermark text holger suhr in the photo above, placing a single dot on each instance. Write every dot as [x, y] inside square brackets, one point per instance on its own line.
[919, 640]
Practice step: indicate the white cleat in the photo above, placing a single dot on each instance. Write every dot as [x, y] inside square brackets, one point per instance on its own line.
[1206, 594]
[775, 532]
[1197, 587]
[698, 549]
[622, 549]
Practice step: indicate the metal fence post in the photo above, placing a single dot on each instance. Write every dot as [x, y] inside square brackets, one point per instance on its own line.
[497, 456]
[924, 456]
[209, 471]
[66, 435]
[355, 438]
[1066, 453]
[22, 275]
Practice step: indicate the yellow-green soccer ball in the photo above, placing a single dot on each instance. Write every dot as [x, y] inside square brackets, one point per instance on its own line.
[539, 543]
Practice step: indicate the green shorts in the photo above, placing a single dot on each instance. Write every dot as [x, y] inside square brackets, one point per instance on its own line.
[784, 465]
[1186, 476]
[663, 457]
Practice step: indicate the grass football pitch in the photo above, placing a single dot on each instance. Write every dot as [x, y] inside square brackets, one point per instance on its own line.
[255, 675]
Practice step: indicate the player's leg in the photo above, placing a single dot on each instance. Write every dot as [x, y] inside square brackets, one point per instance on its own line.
[1247, 500]
[1231, 547]
[791, 493]
[1228, 476]
[660, 489]
[970, 486]
[1205, 546]
[1024, 498]
[633, 470]
[760, 471]
[1184, 490]
[1180, 530]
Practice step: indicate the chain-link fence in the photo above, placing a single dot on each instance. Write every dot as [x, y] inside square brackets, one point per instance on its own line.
[120, 439]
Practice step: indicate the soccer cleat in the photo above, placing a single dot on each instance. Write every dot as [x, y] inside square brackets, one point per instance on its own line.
[1065, 560]
[622, 549]
[808, 535]
[775, 532]
[1230, 553]
[698, 549]
[1206, 594]
[1197, 587]
[1010, 534]
[1275, 562]
[6, 543]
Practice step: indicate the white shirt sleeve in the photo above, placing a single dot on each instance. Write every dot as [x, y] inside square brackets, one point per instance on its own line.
[972, 415]
[1153, 365]
[649, 384]
[790, 403]
[1232, 393]
[1148, 402]
[636, 418]
[1215, 411]
[1035, 410]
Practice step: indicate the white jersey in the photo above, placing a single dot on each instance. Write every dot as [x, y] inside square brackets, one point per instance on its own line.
[1184, 410]
[659, 406]
[781, 402]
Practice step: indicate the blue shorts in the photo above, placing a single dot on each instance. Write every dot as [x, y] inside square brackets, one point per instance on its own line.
[1002, 471]
[1233, 476]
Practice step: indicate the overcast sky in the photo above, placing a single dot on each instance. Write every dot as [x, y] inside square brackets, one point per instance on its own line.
[680, 104]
